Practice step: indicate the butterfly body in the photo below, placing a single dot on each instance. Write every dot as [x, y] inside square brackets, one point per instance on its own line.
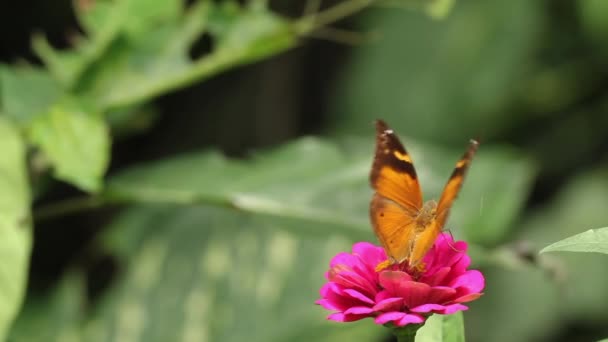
[405, 226]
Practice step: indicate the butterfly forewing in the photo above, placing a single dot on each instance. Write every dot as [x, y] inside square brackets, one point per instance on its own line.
[452, 188]
[393, 175]
[398, 198]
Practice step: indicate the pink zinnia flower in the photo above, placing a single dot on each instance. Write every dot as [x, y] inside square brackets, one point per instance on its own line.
[397, 294]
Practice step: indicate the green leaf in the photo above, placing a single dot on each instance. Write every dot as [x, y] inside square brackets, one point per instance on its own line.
[318, 182]
[593, 18]
[554, 292]
[442, 328]
[26, 92]
[15, 224]
[125, 62]
[76, 141]
[212, 274]
[593, 240]
[53, 316]
[196, 274]
[104, 21]
[249, 238]
[298, 181]
[439, 9]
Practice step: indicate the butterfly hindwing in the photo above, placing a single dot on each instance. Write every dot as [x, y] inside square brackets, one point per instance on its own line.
[394, 227]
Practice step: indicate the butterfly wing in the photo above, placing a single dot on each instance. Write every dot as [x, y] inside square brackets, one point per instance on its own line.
[450, 192]
[393, 226]
[426, 237]
[398, 198]
[393, 175]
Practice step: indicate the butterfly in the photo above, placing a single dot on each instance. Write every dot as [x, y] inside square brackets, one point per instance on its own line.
[405, 226]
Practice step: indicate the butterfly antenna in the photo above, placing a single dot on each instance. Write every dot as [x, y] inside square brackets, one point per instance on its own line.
[450, 243]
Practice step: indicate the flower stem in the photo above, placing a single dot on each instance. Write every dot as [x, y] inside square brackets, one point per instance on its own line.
[407, 333]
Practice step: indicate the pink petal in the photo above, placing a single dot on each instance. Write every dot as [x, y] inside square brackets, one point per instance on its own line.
[398, 284]
[354, 280]
[358, 295]
[472, 280]
[372, 255]
[382, 295]
[393, 281]
[343, 259]
[359, 310]
[327, 304]
[338, 299]
[467, 298]
[438, 277]
[415, 293]
[324, 289]
[456, 251]
[450, 309]
[440, 294]
[389, 317]
[425, 308]
[409, 319]
[340, 317]
[461, 266]
[389, 304]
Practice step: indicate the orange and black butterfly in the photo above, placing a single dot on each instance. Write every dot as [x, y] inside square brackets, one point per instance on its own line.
[405, 226]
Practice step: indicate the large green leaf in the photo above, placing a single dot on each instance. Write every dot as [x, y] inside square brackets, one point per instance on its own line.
[442, 328]
[318, 182]
[593, 240]
[211, 274]
[250, 239]
[200, 274]
[76, 141]
[15, 224]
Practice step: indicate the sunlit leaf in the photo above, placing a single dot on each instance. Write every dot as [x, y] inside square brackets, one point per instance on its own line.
[15, 224]
[76, 141]
[442, 328]
[26, 92]
[593, 240]
[125, 62]
[439, 8]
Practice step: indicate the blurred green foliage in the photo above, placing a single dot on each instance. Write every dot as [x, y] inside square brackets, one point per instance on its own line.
[210, 248]
[593, 240]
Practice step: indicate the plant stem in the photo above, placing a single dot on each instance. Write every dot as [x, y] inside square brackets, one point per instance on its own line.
[68, 206]
[407, 333]
[342, 10]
